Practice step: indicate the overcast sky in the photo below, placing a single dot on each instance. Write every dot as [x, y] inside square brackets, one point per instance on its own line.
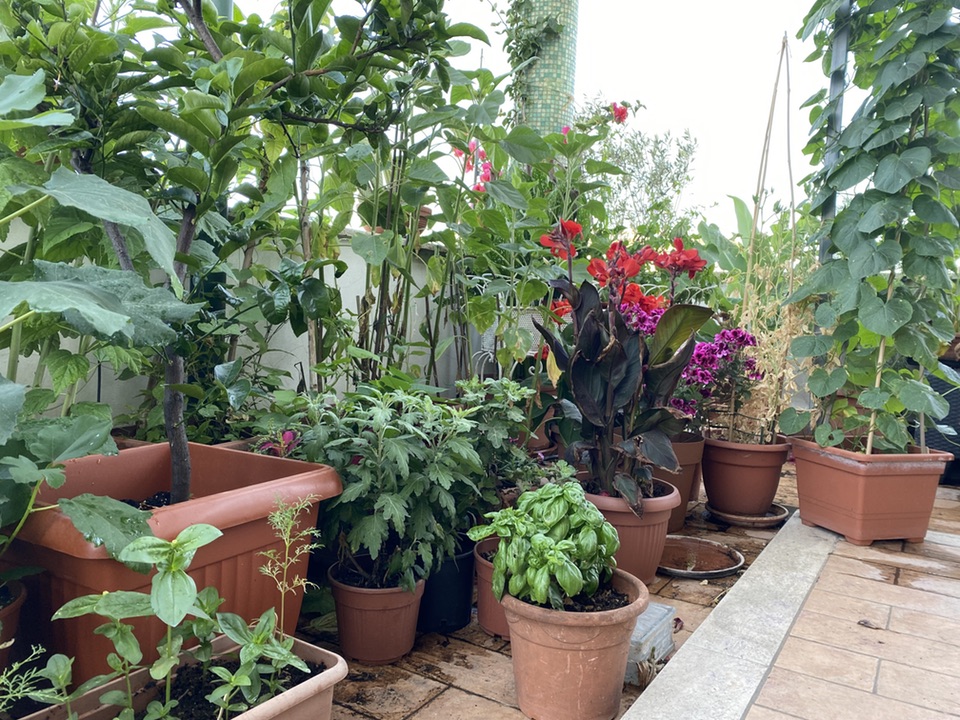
[701, 65]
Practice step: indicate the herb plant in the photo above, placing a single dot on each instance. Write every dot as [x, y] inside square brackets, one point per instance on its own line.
[554, 545]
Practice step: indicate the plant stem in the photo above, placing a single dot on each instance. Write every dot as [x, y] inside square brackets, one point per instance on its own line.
[17, 320]
[23, 211]
[881, 354]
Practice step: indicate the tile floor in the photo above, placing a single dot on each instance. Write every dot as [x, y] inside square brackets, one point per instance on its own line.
[879, 634]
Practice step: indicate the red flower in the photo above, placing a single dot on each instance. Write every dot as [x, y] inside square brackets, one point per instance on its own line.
[560, 308]
[598, 268]
[620, 266]
[619, 113]
[679, 260]
[560, 239]
[648, 254]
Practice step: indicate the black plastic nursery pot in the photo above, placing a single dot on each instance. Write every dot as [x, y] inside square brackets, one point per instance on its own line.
[448, 595]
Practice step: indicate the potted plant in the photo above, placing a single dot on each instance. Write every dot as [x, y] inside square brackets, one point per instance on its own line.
[743, 376]
[408, 466]
[621, 387]
[882, 291]
[269, 676]
[569, 608]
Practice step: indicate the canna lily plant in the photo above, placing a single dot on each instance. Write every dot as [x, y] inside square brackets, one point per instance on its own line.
[620, 383]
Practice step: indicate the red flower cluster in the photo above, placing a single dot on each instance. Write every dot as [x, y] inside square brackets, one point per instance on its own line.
[619, 113]
[560, 239]
[561, 308]
[679, 260]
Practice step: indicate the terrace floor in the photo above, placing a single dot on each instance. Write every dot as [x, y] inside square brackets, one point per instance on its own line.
[815, 628]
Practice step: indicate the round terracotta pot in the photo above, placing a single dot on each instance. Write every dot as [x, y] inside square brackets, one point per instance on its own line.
[689, 455]
[10, 617]
[742, 479]
[376, 626]
[867, 497]
[570, 665]
[490, 614]
[641, 538]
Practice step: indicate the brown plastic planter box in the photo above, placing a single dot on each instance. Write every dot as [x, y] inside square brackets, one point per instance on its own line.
[867, 497]
[310, 700]
[232, 490]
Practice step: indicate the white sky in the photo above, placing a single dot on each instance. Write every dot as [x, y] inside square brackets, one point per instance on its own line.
[704, 65]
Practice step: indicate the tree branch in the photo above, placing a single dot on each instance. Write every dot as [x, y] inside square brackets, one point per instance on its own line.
[194, 14]
[119, 243]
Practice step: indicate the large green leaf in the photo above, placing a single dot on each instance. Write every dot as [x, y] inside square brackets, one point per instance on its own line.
[884, 318]
[869, 258]
[172, 595]
[823, 383]
[895, 171]
[95, 310]
[149, 310]
[886, 212]
[930, 210]
[11, 401]
[107, 202]
[920, 397]
[105, 521]
[505, 193]
[525, 146]
[849, 173]
[51, 118]
[372, 249]
[21, 92]
[73, 437]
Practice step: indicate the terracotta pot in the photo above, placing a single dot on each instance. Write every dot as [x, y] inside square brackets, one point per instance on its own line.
[570, 665]
[232, 490]
[10, 619]
[310, 700]
[376, 626]
[689, 454]
[867, 497]
[490, 614]
[448, 593]
[740, 478]
[641, 538]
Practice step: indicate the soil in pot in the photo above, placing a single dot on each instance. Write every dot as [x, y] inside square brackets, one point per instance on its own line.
[193, 684]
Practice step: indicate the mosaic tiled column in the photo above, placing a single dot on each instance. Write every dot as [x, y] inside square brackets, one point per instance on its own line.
[549, 82]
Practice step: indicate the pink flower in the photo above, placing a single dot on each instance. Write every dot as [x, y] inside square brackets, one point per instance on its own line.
[565, 130]
[472, 146]
[619, 113]
[479, 187]
[486, 171]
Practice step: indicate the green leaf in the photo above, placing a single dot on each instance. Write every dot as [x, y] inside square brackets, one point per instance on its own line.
[895, 171]
[123, 604]
[105, 521]
[822, 383]
[884, 318]
[21, 92]
[888, 134]
[372, 249]
[175, 126]
[426, 171]
[70, 438]
[873, 398]
[868, 259]
[525, 146]
[194, 537]
[77, 607]
[394, 510]
[852, 172]
[66, 368]
[51, 118]
[486, 111]
[920, 397]
[793, 421]
[467, 30]
[172, 595]
[12, 397]
[107, 202]
[810, 346]
[505, 193]
[886, 212]
[930, 210]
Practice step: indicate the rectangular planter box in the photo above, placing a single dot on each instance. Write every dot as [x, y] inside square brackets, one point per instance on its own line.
[867, 497]
[310, 700]
[232, 490]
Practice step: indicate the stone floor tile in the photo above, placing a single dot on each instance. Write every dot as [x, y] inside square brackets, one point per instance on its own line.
[847, 608]
[454, 704]
[690, 613]
[919, 687]
[946, 522]
[679, 638]
[658, 584]
[944, 504]
[890, 594]
[386, 692]
[762, 713]
[342, 712]
[932, 627]
[948, 492]
[936, 550]
[454, 662]
[810, 698]
[902, 559]
[828, 663]
[474, 635]
[859, 568]
[876, 642]
[704, 593]
[930, 583]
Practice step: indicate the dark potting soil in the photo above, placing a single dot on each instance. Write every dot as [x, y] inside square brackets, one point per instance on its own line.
[604, 599]
[157, 500]
[192, 685]
[354, 578]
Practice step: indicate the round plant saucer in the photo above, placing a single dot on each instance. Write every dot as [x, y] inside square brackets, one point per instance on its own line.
[772, 517]
[698, 558]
